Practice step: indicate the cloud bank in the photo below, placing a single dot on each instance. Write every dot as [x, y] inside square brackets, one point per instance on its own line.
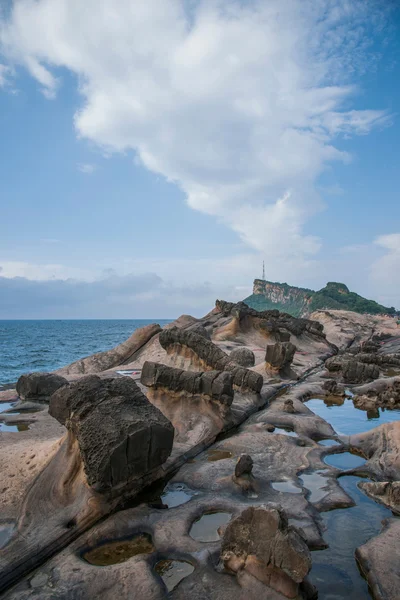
[239, 104]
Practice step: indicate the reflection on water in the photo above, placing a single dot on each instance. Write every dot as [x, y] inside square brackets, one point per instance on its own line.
[21, 426]
[315, 482]
[344, 460]
[6, 406]
[335, 571]
[285, 431]
[329, 443]
[206, 528]
[346, 419]
[6, 531]
[119, 551]
[286, 486]
[173, 571]
[176, 494]
[214, 455]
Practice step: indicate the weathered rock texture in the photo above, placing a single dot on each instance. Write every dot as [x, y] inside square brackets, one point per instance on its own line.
[96, 363]
[260, 542]
[386, 492]
[351, 369]
[210, 356]
[121, 435]
[272, 321]
[279, 356]
[39, 386]
[381, 447]
[243, 357]
[215, 385]
[387, 398]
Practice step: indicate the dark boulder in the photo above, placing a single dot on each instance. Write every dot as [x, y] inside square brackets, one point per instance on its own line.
[288, 406]
[243, 357]
[358, 372]
[216, 385]
[121, 435]
[331, 386]
[244, 465]
[39, 386]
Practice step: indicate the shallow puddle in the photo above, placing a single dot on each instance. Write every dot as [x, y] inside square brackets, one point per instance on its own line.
[344, 460]
[4, 406]
[314, 482]
[119, 551]
[173, 571]
[286, 486]
[205, 529]
[329, 443]
[22, 426]
[214, 455]
[176, 494]
[285, 431]
[346, 419]
[6, 532]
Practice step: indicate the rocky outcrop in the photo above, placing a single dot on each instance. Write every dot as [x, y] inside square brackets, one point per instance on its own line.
[214, 385]
[387, 398]
[381, 447]
[210, 356]
[351, 369]
[279, 356]
[102, 361]
[379, 561]
[260, 542]
[243, 357]
[121, 435]
[38, 387]
[385, 492]
[272, 321]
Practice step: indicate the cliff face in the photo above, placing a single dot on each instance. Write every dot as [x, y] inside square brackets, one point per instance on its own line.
[301, 302]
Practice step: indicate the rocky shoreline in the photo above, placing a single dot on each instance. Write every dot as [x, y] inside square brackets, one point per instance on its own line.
[217, 407]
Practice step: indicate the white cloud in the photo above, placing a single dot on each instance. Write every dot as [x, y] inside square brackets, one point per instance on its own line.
[384, 271]
[87, 168]
[5, 74]
[240, 104]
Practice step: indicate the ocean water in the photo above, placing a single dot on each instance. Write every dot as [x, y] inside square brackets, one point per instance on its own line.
[27, 346]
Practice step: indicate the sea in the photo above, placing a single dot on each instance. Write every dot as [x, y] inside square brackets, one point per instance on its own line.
[46, 345]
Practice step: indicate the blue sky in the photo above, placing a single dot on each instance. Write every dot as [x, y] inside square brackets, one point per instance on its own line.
[150, 159]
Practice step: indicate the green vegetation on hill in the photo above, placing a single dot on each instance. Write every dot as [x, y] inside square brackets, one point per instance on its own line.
[302, 302]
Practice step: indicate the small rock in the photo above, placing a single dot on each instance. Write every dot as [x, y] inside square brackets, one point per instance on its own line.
[270, 428]
[39, 580]
[243, 357]
[244, 465]
[288, 406]
[39, 386]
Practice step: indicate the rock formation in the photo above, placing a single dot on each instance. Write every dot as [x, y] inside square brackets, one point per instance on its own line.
[260, 542]
[351, 370]
[38, 387]
[214, 385]
[243, 357]
[386, 492]
[209, 356]
[279, 357]
[373, 399]
[120, 434]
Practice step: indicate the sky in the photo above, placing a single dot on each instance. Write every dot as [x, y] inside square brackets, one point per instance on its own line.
[153, 154]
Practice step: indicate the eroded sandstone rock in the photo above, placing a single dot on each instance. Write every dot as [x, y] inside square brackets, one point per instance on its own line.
[352, 370]
[387, 398]
[288, 406]
[279, 356]
[121, 435]
[216, 385]
[244, 465]
[243, 357]
[260, 542]
[210, 355]
[39, 386]
[386, 492]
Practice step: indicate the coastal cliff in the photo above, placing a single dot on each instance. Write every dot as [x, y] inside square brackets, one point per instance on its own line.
[301, 302]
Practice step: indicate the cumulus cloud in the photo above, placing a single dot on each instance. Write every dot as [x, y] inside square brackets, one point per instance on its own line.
[240, 104]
